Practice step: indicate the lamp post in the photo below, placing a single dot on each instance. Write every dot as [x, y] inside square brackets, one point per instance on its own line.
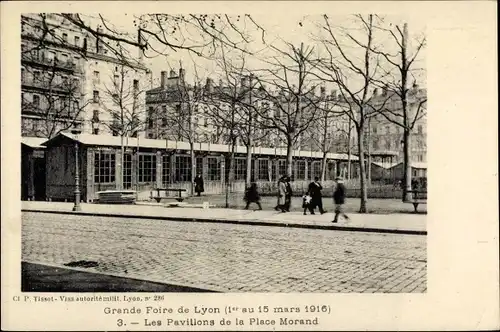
[77, 206]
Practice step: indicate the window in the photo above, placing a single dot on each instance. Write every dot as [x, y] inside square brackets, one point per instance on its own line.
[374, 129]
[64, 58]
[263, 169]
[419, 129]
[77, 40]
[116, 79]
[96, 77]
[104, 167]
[136, 84]
[178, 108]
[36, 76]
[127, 171]
[301, 170]
[182, 168]
[95, 116]
[213, 168]
[199, 165]
[388, 144]
[164, 121]
[375, 145]
[96, 96]
[315, 169]
[420, 158]
[165, 179]
[240, 169]
[36, 100]
[195, 121]
[147, 168]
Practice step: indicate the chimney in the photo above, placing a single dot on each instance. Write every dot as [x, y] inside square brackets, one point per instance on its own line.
[163, 79]
[209, 86]
[182, 73]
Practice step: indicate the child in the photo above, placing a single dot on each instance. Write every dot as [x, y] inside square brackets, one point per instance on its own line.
[306, 203]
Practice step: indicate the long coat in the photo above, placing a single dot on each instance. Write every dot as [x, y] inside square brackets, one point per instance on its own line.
[281, 193]
[315, 192]
[199, 185]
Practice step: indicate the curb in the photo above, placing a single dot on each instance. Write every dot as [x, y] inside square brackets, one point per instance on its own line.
[235, 222]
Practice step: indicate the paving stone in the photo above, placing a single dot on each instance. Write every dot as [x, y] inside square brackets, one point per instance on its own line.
[232, 258]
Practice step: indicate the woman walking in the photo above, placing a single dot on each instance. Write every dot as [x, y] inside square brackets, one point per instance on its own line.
[281, 195]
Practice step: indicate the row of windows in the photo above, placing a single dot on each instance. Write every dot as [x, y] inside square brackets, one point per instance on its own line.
[105, 162]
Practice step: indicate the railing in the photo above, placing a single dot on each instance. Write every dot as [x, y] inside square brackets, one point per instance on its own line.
[55, 86]
[67, 65]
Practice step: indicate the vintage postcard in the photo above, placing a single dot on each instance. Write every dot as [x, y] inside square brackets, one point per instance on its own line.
[249, 166]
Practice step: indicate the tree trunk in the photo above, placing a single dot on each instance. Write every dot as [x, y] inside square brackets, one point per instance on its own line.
[119, 178]
[362, 170]
[249, 163]
[323, 166]
[230, 178]
[406, 165]
[193, 165]
[289, 156]
[348, 176]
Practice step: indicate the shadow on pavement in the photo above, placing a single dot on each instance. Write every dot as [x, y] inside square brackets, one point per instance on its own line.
[42, 278]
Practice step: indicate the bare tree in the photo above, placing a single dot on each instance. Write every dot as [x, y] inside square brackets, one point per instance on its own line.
[355, 77]
[400, 70]
[293, 103]
[121, 101]
[156, 34]
[51, 95]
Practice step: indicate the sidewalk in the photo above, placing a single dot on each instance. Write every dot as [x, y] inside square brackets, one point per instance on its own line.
[389, 223]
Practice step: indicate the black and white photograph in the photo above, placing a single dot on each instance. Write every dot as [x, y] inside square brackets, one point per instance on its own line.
[223, 153]
[166, 158]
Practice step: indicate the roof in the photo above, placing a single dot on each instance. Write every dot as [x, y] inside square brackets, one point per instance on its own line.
[385, 165]
[33, 142]
[107, 140]
[418, 165]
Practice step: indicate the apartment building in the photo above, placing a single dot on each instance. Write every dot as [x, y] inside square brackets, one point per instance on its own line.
[70, 79]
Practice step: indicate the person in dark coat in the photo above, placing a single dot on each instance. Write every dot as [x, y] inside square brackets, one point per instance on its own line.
[315, 192]
[199, 186]
[339, 200]
[252, 196]
[288, 194]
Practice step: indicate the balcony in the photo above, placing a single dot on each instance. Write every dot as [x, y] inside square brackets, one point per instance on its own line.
[54, 87]
[68, 66]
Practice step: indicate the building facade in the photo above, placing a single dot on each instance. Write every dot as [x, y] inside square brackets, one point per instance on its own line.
[70, 79]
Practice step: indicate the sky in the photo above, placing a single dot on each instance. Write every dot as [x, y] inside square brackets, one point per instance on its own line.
[277, 28]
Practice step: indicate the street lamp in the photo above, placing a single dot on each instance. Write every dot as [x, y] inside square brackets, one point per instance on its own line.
[76, 131]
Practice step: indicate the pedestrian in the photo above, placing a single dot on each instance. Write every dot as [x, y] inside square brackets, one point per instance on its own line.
[306, 203]
[339, 200]
[281, 195]
[199, 186]
[288, 194]
[315, 192]
[252, 196]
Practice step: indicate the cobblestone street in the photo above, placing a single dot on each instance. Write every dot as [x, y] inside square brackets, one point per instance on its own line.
[230, 258]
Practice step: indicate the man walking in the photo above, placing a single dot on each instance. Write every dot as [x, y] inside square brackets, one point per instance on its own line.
[339, 199]
[315, 192]
[288, 194]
